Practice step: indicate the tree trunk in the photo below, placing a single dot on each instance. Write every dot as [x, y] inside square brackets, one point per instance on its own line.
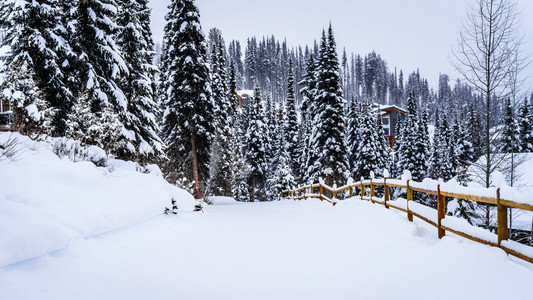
[253, 189]
[196, 186]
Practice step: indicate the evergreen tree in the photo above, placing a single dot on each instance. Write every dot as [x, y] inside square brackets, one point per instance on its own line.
[135, 41]
[307, 109]
[99, 66]
[239, 163]
[370, 154]
[291, 125]
[463, 151]
[36, 75]
[328, 126]
[411, 153]
[510, 136]
[474, 132]
[283, 175]
[186, 96]
[221, 170]
[441, 162]
[256, 149]
[525, 124]
[352, 136]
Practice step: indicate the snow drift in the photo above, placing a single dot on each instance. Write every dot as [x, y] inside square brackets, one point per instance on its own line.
[48, 201]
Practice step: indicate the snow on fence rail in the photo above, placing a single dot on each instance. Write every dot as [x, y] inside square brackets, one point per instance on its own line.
[427, 214]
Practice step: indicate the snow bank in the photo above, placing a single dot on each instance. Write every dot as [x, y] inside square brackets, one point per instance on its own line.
[220, 200]
[47, 201]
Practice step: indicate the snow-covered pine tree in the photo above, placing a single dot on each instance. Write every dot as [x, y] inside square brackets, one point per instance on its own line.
[256, 149]
[99, 66]
[36, 78]
[424, 135]
[291, 125]
[370, 155]
[474, 132]
[307, 109]
[186, 97]
[441, 161]
[353, 118]
[135, 41]
[222, 155]
[327, 138]
[463, 152]
[525, 124]
[398, 142]
[510, 136]
[283, 175]
[411, 153]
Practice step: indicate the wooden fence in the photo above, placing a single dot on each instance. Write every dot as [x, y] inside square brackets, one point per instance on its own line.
[319, 191]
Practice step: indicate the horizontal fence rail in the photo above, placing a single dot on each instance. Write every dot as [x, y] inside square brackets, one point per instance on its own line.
[367, 192]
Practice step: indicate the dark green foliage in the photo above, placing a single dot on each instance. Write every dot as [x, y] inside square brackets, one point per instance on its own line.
[186, 97]
[135, 42]
[327, 137]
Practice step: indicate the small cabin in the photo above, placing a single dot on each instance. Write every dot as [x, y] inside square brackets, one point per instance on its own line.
[243, 97]
[390, 116]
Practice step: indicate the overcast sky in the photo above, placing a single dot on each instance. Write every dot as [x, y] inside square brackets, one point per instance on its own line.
[407, 33]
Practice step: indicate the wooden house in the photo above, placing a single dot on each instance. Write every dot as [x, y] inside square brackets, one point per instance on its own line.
[390, 116]
[243, 97]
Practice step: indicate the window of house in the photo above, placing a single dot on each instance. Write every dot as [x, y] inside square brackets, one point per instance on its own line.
[385, 121]
[387, 131]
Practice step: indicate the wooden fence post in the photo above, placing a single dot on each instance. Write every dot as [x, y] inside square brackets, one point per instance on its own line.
[386, 188]
[372, 190]
[362, 190]
[409, 198]
[351, 192]
[503, 230]
[321, 191]
[441, 212]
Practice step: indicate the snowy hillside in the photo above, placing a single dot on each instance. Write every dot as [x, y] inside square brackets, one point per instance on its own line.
[47, 201]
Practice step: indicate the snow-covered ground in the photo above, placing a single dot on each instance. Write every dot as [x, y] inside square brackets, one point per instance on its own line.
[75, 230]
[48, 202]
[522, 183]
[279, 250]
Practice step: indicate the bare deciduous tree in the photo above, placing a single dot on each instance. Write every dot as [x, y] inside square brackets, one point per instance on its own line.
[488, 56]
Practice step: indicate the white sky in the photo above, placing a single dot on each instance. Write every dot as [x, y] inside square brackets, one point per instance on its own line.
[407, 33]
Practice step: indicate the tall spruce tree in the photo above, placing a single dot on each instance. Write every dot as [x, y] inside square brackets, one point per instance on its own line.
[370, 154]
[221, 170]
[99, 65]
[290, 131]
[256, 149]
[135, 41]
[353, 118]
[411, 153]
[327, 137]
[510, 136]
[307, 109]
[36, 75]
[441, 162]
[525, 124]
[186, 96]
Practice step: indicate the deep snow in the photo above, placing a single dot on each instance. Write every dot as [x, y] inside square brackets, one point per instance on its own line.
[46, 202]
[279, 250]
[74, 230]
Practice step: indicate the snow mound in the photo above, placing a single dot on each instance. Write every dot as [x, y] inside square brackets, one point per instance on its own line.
[48, 201]
[220, 200]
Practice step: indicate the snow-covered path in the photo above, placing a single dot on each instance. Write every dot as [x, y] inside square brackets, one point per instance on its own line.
[280, 250]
